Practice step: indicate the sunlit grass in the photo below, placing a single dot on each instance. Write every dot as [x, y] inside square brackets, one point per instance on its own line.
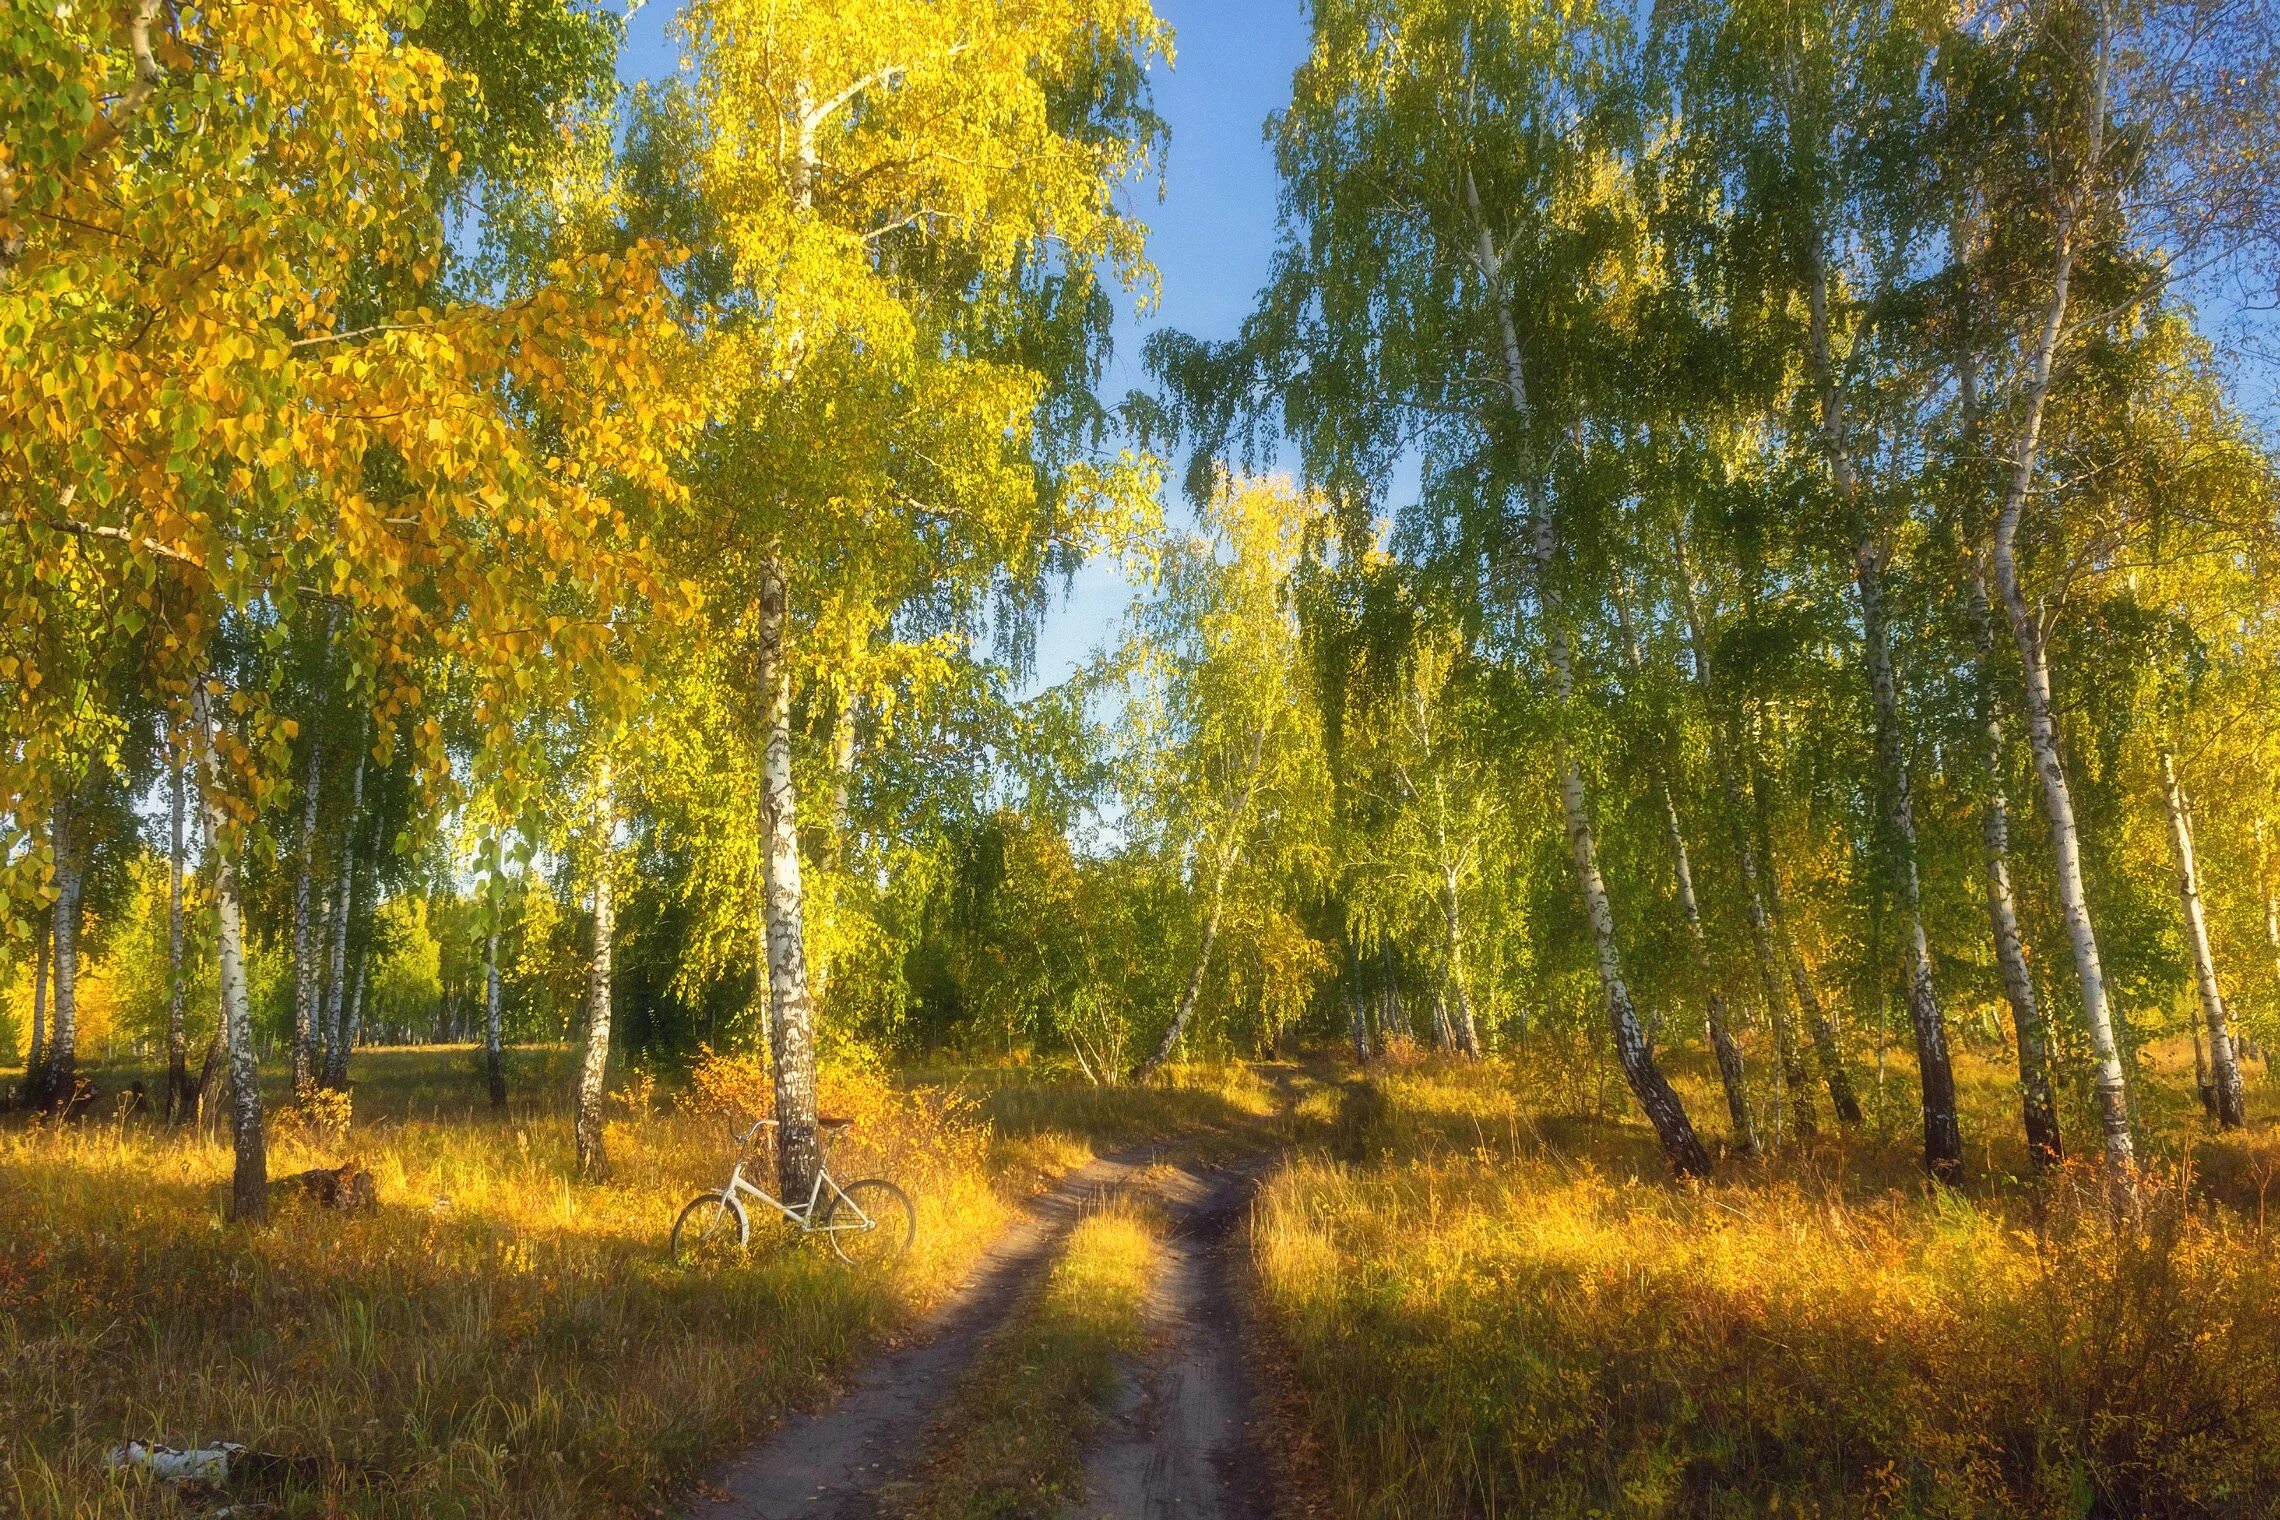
[497, 1339]
[1499, 1307]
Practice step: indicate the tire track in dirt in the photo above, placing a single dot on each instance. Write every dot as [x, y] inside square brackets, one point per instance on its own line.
[820, 1466]
[1182, 1441]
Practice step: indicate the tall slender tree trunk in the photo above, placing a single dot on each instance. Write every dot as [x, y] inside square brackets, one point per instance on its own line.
[2271, 905]
[181, 1097]
[344, 912]
[59, 1070]
[1943, 1136]
[1796, 1090]
[1238, 819]
[1682, 1148]
[353, 1025]
[494, 1051]
[2042, 735]
[305, 971]
[791, 1014]
[35, 1056]
[2038, 1102]
[1731, 1073]
[2224, 1069]
[249, 1183]
[1462, 1025]
[593, 1073]
[842, 814]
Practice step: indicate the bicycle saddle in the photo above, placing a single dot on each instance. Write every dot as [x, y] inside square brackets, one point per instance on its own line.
[825, 1121]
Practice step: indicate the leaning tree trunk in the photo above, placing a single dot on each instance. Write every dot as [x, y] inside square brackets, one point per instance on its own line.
[2038, 1102]
[1818, 1022]
[594, 1071]
[249, 1183]
[1681, 1146]
[344, 911]
[1731, 1075]
[1796, 1092]
[791, 1013]
[1943, 1134]
[2224, 1069]
[181, 1097]
[494, 1051]
[1237, 817]
[1943, 1137]
[2042, 741]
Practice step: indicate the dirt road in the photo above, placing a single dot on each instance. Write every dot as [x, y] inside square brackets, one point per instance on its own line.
[1178, 1444]
[1175, 1446]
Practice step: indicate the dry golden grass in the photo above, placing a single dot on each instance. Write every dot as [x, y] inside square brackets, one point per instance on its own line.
[497, 1339]
[1497, 1306]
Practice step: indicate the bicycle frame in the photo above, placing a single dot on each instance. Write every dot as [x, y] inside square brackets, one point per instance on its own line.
[804, 1214]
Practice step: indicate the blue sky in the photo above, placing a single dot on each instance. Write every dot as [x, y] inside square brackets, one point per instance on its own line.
[1211, 234]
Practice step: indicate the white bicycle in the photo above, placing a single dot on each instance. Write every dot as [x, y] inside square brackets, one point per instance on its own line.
[869, 1222]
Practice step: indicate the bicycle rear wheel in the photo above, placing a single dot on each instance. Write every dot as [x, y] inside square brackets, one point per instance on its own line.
[712, 1229]
[871, 1223]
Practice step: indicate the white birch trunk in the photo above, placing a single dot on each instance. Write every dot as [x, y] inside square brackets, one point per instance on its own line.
[305, 979]
[59, 1064]
[1681, 1147]
[2042, 739]
[249, 1185]
[2224, 1068]
[344, 909]
[1237, 818]
[791, 1020]
[593, 1071]
[494, 1049]
[181, 1098]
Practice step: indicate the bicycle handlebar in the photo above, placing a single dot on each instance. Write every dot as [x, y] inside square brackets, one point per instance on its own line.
[823, 1124]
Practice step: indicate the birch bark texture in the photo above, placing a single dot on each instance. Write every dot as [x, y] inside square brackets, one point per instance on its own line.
[594, 1066]
[494, 1051]
[249, 1176]
[2224, 1066]
[181, 1096]
[791, 1014]
[336, 1035]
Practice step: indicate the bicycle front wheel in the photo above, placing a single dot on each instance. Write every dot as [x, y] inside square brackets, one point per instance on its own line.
[871, 1223]
[712, 1228]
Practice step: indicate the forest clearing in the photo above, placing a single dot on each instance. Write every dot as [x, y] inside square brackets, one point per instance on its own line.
[1479, 759]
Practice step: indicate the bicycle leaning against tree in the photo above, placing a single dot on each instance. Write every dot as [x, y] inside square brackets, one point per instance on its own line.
[869, 1222]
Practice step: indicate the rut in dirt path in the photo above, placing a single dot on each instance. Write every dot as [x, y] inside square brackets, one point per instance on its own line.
[1181, 1442]
[820, 1466]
